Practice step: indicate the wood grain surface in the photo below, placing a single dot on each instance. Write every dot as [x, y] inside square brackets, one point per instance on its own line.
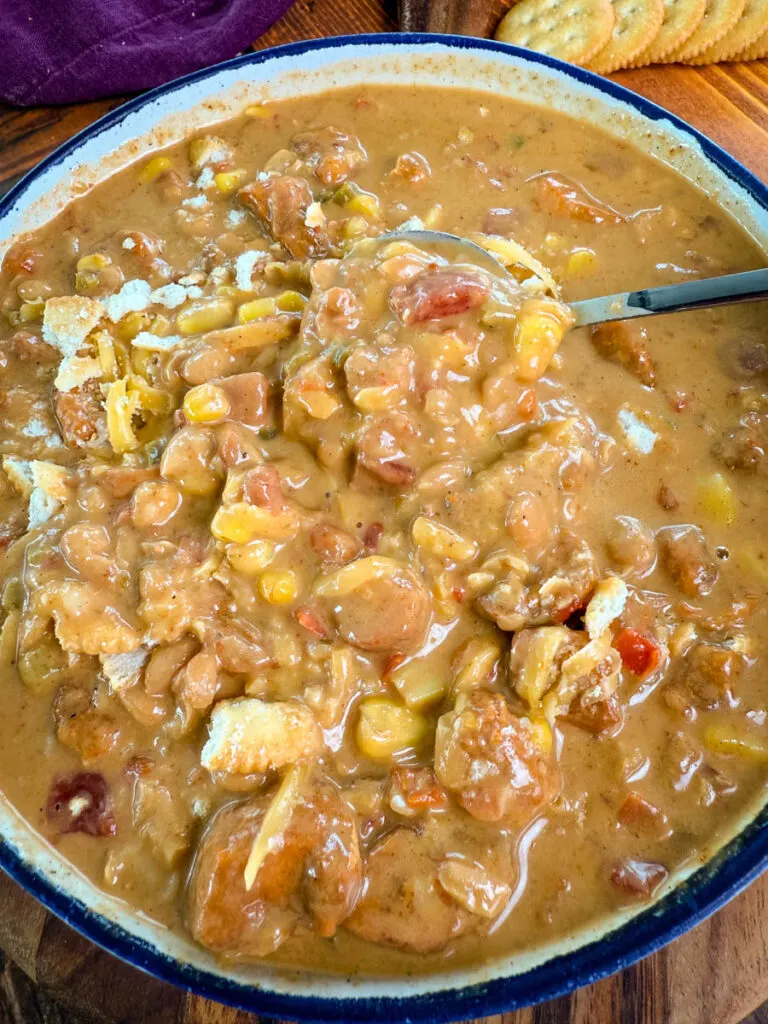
[718, 973]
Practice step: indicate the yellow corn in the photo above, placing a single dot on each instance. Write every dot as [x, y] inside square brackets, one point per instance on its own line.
[154, 168]
[160, 325]
[418, 685]
[132, 324]
[121, 408]
[105, 348]
[86, 282]
[724, 739]
[33, 310]
[716, 499]
[252, 557]
[205, 315]
[439, 540]
[241, 522]
[537, 335]
[291, 302]
[365, 204]
[386, 728]
[206, 403]
[94, 261]
[581, 263]
[375, 399]
[227, 181]
[278, 586]
[355, 227]
[255, 310]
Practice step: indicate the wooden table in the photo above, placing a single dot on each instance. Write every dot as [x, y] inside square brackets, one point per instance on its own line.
[717, 974]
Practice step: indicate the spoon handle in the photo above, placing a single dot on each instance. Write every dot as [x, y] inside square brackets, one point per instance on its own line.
[671, 298]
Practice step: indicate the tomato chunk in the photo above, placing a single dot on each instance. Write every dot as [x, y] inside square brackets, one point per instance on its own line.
[638, 652]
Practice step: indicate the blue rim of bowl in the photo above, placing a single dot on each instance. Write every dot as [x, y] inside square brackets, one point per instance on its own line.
[715, 883]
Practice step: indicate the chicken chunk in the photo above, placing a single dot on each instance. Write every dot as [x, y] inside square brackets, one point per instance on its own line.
[706, 678]
[624, 342]
[249, 735]
[315, 871]
[332, 155]
[685, 557]
[493, 760]
[282, 204]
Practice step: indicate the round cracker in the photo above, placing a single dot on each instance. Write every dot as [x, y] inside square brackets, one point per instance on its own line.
[572, 30]
[719, 17]
[637, 22]
[757, 51]
[747, 30]
[681, 19]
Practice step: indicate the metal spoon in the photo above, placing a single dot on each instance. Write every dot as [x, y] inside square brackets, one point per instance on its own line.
[668, 298]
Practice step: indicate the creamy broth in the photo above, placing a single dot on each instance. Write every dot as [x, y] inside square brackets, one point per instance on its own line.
[372, 581]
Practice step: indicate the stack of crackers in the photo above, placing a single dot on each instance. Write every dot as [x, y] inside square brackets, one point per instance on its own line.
[607, 35]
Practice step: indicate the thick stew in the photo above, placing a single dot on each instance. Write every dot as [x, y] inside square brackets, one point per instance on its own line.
[356, 610]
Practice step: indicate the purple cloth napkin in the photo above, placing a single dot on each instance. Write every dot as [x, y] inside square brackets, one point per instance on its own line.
[65, 51]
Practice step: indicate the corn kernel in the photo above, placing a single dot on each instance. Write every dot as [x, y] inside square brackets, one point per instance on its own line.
[133, 324]
[227, 181]
[206, 403]
[365, 204]
[94, 261]
[255, 310]
[86, 282]
[376, 399]
[240, 522]
[554, 242]
[252, 557]
[581, 263]
[205, 315]
[153, 169]
[291, 302]
[278, 586]
[724, 739]
[121, 408]
[258, 110]
[441, 541]
[716, 499]
[29, 311]
[386, 728]
[418, 684]
[355, 227]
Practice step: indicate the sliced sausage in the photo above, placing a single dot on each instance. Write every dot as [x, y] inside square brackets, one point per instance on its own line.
[437, 294]
[387, 614]
[315, 871]
[625, 343]
[331, 154]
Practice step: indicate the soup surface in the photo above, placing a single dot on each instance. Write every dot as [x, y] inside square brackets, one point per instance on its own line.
[356, 612]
